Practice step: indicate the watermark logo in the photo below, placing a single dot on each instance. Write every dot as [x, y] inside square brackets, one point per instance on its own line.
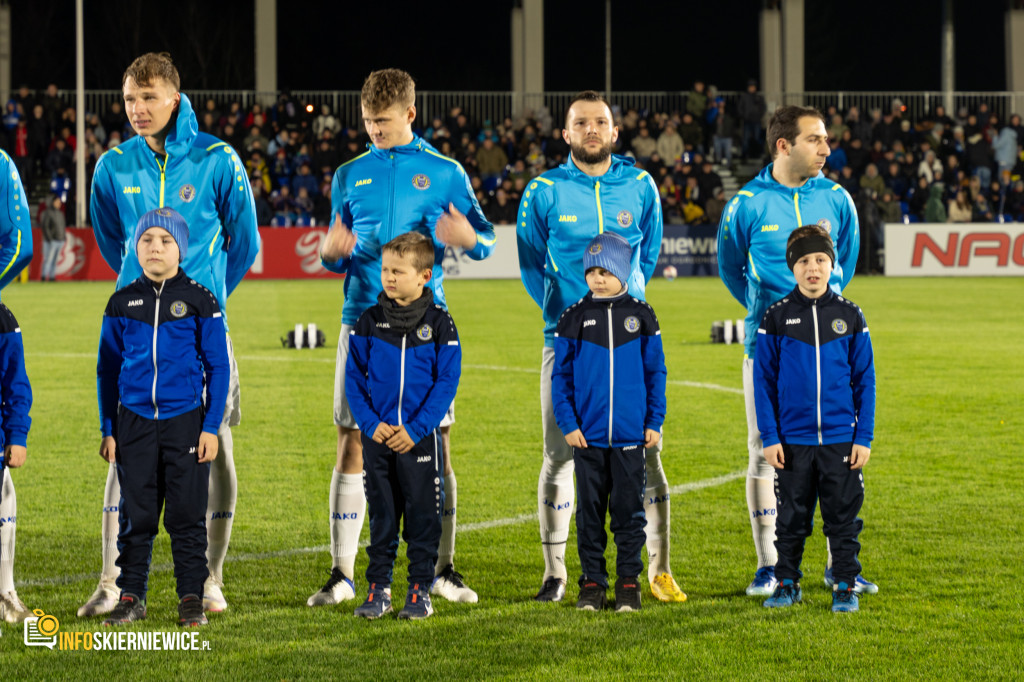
[41, 629]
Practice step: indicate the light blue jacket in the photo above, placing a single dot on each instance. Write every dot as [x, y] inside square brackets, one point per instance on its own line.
[752, 239]
[563, 209]
[15, 223]
[201, 178]
[383, 193]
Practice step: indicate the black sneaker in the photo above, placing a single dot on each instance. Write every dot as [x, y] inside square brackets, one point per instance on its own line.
[592, 596]
[627, 595]
[129, 608]
[553, 589]
[190, 612]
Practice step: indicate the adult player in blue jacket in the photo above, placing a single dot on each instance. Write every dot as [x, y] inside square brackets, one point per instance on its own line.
[400, 184]
[790, 192]
[171, 164]
[15, 255]
[560, 212]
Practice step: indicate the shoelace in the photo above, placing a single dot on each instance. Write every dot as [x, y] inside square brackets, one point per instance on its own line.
[844, 596]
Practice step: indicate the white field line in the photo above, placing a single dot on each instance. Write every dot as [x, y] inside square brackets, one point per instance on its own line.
[487, 368]
[463, 528]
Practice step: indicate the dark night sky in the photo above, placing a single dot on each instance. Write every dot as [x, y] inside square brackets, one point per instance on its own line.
[869, 45]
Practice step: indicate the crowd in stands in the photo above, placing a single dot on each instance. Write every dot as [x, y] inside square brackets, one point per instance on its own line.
[935, 168]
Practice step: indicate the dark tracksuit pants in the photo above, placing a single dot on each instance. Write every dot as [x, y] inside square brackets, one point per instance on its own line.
[814, 472]
[409, 485]
[156, 463]
[610, 478]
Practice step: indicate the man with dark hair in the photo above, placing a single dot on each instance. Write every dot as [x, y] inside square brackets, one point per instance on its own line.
[789, 192]
[594, 192]
[401, 184]
[171, 165]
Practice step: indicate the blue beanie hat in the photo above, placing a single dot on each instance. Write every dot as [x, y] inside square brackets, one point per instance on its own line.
[611, 252]
[168, 219]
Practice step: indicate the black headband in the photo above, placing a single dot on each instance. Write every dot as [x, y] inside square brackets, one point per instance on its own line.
[813, 243]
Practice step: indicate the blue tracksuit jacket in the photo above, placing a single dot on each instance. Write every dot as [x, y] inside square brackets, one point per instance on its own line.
[15, 223]
[160, 347]
[609, 374]
[752, 240]
[387, 192]
[201, 178]
[15, 390]
[402, 379]
[563, 209]
[814, 372]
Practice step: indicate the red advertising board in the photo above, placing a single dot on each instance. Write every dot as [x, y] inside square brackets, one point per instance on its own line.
[286, 253]
[954, 249]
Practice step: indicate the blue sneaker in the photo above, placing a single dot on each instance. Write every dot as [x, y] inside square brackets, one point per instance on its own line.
[786, 594]
[378, 602]
[764, 582]
[844, 599]
[417, 603]
[860, 585]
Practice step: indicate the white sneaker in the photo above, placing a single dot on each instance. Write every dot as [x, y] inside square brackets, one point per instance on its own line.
[448, 584]
[12, 609]
[213, 596]
[102, 601]
[337, 589]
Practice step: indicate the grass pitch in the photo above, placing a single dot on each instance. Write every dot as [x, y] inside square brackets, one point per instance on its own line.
[942, 515]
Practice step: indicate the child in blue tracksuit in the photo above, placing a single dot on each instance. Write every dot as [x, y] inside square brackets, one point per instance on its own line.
[608, 391]
[162, 380]
[15, 403]
[814, 391]
[401, 375]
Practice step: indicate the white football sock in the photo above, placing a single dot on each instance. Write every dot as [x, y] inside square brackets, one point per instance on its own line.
[110, 525]
[446, 548]
[828, 551]
[348, 506]
[220, 506]
[761, 506]
[9, 514]
[555, 498]
[657, 509]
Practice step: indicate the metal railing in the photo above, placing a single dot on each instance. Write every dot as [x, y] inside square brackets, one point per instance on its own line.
[496, 106]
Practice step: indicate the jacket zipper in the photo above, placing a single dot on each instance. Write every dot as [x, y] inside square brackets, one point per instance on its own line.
[600, 213]
[401, 381]
[156, 324]
[817, 364]
[163, 176]
[796, 206]
[611, 375]
[391, 203]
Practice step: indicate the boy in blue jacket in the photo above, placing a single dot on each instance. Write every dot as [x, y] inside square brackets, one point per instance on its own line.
[814, 392]
[608, 392]
[162, 379]
[401, 376]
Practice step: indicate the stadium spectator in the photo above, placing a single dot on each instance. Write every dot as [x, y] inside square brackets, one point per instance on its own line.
[871, 180]
[724, 133]
[751, 109]
[501, 210]
[643, 145]
[692, 133]
[258, 170]
[490, 159]
[53, 226]
[326, 120]
[888, 208]
[934, 207]
[670, 145]
[1005, 150]
[281, 168]
[960, 210]
[264, 211]
[715, 206]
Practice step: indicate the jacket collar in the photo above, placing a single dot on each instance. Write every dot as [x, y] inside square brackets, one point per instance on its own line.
[827, 297]
[186, 128]
[418, 144]
[147, 282]
[611, 299]
[767, 178]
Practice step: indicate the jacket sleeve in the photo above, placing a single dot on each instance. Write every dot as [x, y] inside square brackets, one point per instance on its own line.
[440, 396]
[237, 210]
[357, 389]
[563, 390]
[532, 239]
[848, 239]
[862, 380]
[213, 352]
[108, 371]
[16, 390]
[732, 248]
[15, 223]
[655, 373]
[652, 226]
[465, 201]
[106, 219]
[766, 381]
[339, 207]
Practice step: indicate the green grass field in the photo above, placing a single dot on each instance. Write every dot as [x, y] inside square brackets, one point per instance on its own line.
[943, 513]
